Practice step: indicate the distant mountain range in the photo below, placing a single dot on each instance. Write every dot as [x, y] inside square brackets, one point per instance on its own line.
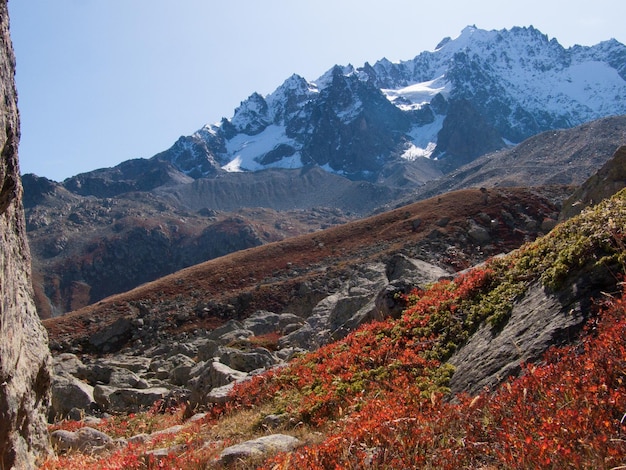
[480, 92]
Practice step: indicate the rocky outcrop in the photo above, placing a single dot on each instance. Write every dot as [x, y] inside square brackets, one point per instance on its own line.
[607, 181]
[24, 355]
[368, 294]
[541, 318]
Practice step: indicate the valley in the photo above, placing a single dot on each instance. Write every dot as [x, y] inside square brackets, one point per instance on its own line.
[368, 270]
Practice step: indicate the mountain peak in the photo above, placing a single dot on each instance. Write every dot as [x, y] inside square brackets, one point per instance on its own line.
[516, 83]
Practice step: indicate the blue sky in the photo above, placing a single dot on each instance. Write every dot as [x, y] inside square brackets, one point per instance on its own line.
[103, 81]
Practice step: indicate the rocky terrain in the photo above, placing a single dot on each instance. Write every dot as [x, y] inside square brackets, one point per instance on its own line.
[453, 231]
[190, 336]
[195, 336]
[85, 249]
[238, 284]
[25, 365]
[560, 156]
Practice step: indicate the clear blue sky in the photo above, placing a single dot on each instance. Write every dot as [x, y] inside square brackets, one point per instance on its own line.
[103, 81]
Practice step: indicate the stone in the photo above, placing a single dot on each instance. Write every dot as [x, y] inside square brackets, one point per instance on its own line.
[287, 353]
[86, 440]
[227, 327]
[25, 363]
[112, 337]
[262, 322]
[478, 233]
[390, 301]
[139, 438]
[68, 393]
[209, 375]
[133, 363]
[219, 394]
[247, 361]
[274, 421]
[257, 447]
[417, 271]
[128, 400]
[67, 364]
[165, 451]
[126, 378]
[95, 373]
[208, 350]
[490, 356]
[304, 338]
[235, 336]
[180, 374]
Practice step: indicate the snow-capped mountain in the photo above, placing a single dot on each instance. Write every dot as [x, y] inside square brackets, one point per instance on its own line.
[477, 93]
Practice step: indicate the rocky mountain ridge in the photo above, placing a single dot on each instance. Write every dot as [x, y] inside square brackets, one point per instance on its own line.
[474, 94]
[562, 156]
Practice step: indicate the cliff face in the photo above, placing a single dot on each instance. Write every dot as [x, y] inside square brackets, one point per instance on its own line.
[24, 354]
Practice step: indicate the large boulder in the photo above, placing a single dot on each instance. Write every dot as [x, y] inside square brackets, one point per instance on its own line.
[262, 322]
[247, 361]
[128, 400]
[257, 447]
[493, 354]
[209, 375]
[25, 364]
[68, 393]
[86, 440]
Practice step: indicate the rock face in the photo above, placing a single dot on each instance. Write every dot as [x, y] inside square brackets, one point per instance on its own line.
[606, 182]
[24, 354]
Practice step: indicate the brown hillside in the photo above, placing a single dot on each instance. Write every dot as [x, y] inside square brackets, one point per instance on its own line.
[289, 275]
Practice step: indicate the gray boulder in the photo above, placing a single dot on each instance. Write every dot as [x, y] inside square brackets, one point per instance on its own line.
[219, 394]
[305, 338]
[247, 361]
[128, 400]
[208, 350]
[86, 440]
[67, 364]
[209, 375]
[126, 378]
[257, 447]
[136, 364]
[262, 322]
[228, 327]
[112, 337]
[181, 372]
[68, 393]
[491, 355]
[478, 233]
[416, 271]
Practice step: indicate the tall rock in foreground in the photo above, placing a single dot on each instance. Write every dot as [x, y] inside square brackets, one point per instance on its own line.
[24, 354]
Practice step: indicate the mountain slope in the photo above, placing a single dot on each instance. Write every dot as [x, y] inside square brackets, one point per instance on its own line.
[292, 275]
[380, 398]
[87, 248]
[566, 156]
